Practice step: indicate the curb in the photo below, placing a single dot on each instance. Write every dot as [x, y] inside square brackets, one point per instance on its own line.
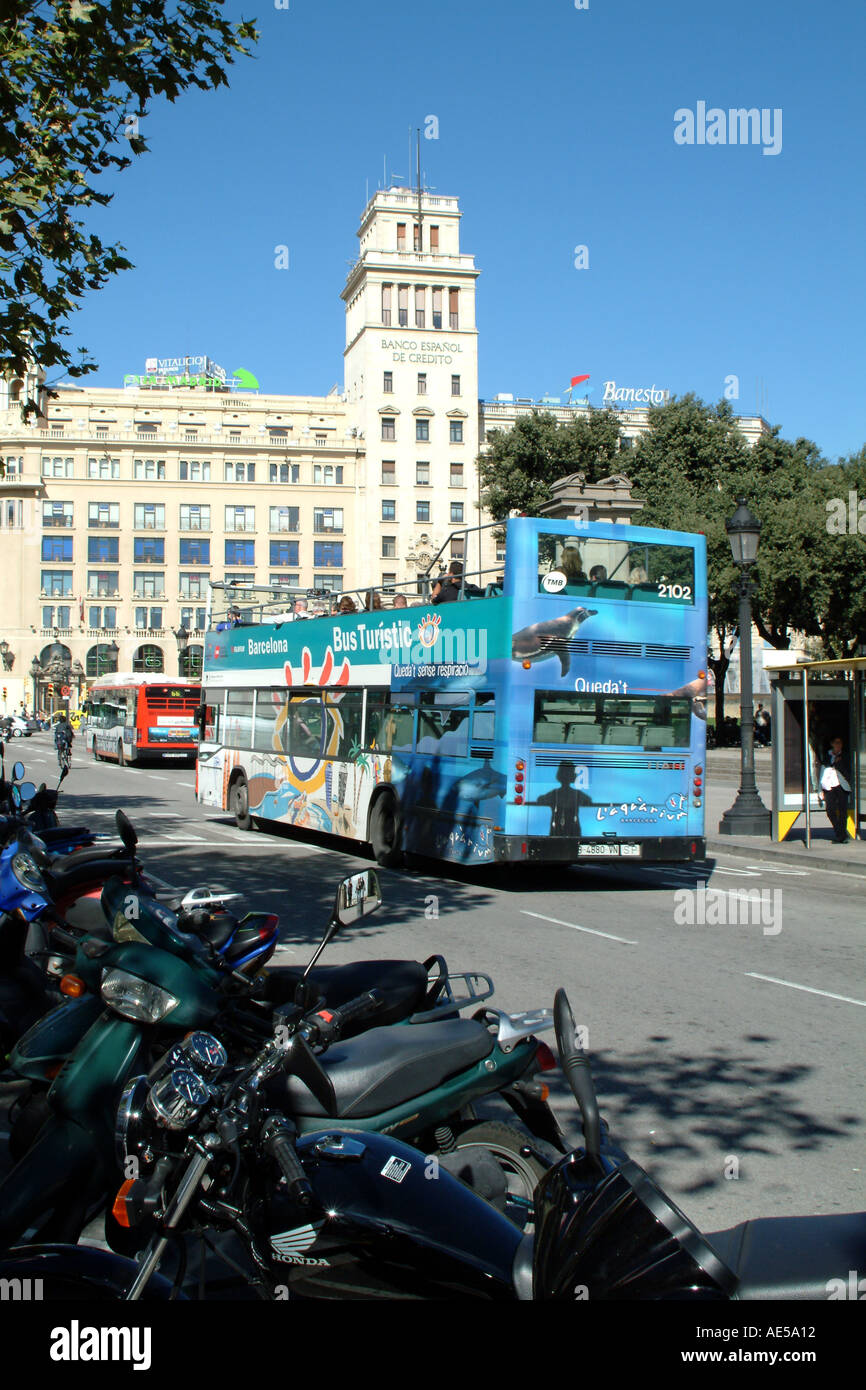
[802, 857]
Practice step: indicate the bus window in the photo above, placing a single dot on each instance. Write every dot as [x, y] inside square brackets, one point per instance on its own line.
[484, 717]
[344, 723]
[239, 719]
[269, 706]
[305, 726]
[631, 721]
[210, 716]
[443, 725]
[390, 727]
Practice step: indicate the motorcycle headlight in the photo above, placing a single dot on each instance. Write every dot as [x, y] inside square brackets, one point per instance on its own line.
[26, 870]
[132, 997]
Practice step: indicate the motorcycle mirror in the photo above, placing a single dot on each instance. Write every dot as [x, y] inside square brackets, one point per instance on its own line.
[26, 791]
[18, 770]
[125, 830]
[357, 896]
[575, 1064]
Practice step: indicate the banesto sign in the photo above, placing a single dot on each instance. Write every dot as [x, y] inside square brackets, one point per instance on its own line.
[644, 395]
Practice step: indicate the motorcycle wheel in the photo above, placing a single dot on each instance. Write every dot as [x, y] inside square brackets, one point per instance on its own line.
[522, 1171]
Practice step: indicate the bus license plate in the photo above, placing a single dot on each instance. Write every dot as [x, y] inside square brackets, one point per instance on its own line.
[610, 851]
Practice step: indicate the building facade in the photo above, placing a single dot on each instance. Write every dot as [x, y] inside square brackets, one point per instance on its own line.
[119, 505]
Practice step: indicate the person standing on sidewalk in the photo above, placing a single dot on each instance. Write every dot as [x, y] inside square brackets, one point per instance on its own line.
[835, 789]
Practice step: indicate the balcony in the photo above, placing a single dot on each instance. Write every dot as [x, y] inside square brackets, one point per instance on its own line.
[57, 632]
[99, 633]
[148, 632]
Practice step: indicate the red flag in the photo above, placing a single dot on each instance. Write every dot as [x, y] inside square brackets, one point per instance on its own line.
[81, 610]
[576, 380]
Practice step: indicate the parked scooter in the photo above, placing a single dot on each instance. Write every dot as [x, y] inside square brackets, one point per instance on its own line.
[159, 983]
[22, 803]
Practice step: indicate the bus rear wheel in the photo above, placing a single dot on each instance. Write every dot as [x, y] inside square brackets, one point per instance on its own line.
[240, 804]
[385, 832]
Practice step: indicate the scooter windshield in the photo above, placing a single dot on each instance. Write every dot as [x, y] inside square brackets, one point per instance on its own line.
[135, 917]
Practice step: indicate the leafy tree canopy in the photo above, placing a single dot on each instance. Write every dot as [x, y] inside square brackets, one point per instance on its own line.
[75, 79]
[521, 463]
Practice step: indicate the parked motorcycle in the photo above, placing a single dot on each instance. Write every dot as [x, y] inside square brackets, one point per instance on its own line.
[159, 983]
[209, 1149]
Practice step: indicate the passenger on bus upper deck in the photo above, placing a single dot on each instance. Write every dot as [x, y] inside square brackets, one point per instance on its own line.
[347, 604]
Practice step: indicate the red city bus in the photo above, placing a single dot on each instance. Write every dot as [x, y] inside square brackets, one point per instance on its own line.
[131, 718]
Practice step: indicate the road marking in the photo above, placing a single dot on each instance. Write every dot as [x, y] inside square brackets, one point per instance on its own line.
[739, 873]
[806, 989]
[589, 930]
[187, 784]
[773, 869]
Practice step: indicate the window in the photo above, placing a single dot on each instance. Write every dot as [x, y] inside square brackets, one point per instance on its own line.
[419, 305]
[456, 431]
[389, 472]
[145, 429]
[284, 553]
[100, 662]
[389, 427]
[149, 516]
[422, 430]
[149, 584]
[101, 431]
[284, 581]
[422, 474]
[285, 472]
[58, 467]
[327, 474]
[390, 727]
[193, 619]
[388, 581]
[194, 552]
[190, 436]
[62, 612]
[329, 583]
[401, 236]
[453, 309]
[194, 470]
[150, 618]
[103, 583]
[422, 511]
[277, 434]
[56, 513]
[386, 305]
[437, 308]
[103, 550]
[387, 382]
[434, 238]
[456, 475]
[104, 467]
[327, 518]
[403, 306]
[457, 511]
[416, 236]
[194, 517]
[240, 552]
[147, 550]
[443, 724]
[149, 470]
[193, 586]
[328, 553]
[240, 519]
[148, 659]
[240, 472]
[285, 518]
[422, 383]
[458, 549]
[455, 386]
[103, 618]
[103, 514]
[57, 548]
[14, 466]
[12, 515]
[345, 709]
[636, 721]
[389, 547]
[389, 511]
[269, 706]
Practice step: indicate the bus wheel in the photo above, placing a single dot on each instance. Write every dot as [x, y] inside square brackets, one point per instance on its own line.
[385, 832]
[240, 804]
[120, 759]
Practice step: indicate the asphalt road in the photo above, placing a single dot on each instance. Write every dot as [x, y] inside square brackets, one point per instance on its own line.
[728, 1055]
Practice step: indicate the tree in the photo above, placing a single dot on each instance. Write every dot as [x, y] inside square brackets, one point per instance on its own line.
[75, 80]
[523, 462]
[842, 614]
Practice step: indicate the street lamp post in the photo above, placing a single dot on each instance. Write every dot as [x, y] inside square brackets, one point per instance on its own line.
[35, 673]
[182, 638]
[748, 815]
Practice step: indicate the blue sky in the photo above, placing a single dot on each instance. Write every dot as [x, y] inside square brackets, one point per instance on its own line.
[556, 129]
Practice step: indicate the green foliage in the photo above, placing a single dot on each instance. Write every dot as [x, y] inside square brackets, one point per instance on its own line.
[75, 79]
[521, 463]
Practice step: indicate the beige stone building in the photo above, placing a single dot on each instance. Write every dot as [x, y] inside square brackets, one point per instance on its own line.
[119, 504]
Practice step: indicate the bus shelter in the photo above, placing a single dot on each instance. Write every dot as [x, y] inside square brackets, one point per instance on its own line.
[814, 702]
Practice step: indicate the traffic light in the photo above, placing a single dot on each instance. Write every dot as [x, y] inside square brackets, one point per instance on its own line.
[50, 688]
[4, 692]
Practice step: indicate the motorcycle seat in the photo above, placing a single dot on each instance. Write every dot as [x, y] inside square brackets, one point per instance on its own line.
[403, 983]
[387, 1067]
[83, 867]
[795, 1257]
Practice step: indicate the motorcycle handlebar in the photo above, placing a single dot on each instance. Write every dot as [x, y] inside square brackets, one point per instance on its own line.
[277, 1138]
[578, 1073]
[328, 1024]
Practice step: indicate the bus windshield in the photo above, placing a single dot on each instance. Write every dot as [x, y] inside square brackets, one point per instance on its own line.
[601, 567]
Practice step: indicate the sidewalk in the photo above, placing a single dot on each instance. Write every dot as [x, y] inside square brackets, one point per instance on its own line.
[723, 779]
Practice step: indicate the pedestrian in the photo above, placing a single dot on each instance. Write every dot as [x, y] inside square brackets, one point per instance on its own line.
[762, 726]
[835, 789]
[63, 737]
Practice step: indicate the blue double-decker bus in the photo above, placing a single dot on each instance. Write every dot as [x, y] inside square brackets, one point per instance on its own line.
[554, 714]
